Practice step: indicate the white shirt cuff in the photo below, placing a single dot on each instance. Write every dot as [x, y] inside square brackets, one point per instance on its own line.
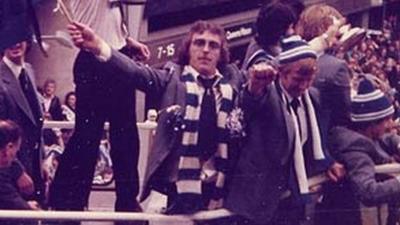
[318, 44]
[105, 52]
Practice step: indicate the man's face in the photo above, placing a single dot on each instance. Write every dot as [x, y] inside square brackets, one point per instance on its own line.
[9, 154]
[298, 76]
[16, 53]
[381, 128]
[50, 89]
[204, 52]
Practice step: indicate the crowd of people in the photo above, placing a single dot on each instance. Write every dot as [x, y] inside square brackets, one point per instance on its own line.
[246, 140]
[378, 54]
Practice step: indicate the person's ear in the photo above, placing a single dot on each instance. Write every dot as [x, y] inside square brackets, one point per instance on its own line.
[291, 29]
[9, 146]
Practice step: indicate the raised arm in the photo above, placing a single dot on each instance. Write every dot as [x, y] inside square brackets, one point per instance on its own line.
[253, 96]
[144, 78]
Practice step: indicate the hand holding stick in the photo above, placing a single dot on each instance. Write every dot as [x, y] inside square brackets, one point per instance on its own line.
[65, 11]
[85, 38]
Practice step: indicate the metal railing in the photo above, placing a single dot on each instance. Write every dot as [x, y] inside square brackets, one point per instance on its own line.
[110, 216]
[127, 216]
[146, 130]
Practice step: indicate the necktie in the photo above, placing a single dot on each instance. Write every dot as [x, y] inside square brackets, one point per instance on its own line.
[29, 92]
[208, 131]
[295, 103]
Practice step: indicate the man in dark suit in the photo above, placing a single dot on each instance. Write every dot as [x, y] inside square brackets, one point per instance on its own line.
[190, 155]
[51, 103]
[19, 103]
[285, 143]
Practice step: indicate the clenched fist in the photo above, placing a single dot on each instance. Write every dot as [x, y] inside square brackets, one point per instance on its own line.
[261, 75]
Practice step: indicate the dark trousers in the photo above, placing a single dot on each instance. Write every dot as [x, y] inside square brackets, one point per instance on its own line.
[30, 158]
[101, 97]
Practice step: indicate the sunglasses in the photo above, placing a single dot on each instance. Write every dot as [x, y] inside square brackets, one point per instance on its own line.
[201, 43]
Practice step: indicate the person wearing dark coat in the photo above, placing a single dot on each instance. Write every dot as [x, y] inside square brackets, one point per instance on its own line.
[284, 143]
[51, 103]
[10, 196]
[100, 98]
[190, 157]
[19, 102]
[358, 148]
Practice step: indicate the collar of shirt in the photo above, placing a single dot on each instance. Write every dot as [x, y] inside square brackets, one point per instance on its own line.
[46, 103]
[301, 114]
[15, 69]
[288, 97]
[196, 74]
[218, 97]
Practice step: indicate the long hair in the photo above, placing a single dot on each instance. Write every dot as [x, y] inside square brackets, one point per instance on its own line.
[273, 21]
[200, 27]
[67, 96]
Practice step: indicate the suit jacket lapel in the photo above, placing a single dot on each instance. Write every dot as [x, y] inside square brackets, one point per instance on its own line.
[15, 91]
[181, 93]
[38, 102]
[288, 123]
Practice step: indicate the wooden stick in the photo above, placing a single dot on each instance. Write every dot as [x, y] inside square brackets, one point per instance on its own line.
[65, 11]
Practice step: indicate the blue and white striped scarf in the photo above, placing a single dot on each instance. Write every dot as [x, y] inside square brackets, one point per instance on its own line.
[189, 184]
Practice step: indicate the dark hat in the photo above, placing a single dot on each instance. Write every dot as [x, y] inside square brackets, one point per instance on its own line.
[370, 104]
[295, 48]
[15, 21]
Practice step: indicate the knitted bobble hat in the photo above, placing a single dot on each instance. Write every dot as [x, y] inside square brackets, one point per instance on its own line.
[370, 104]
[294, 48]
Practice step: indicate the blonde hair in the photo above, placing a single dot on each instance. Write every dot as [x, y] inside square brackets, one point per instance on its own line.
[315, 20]
[305, 66]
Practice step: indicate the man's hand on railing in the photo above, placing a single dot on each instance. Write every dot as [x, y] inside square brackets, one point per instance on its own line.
[34, 205]
[336, 172]
[25, 184]
[390, 168]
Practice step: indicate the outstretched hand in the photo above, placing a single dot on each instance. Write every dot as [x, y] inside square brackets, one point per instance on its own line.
[143, 52]
[84, 37]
